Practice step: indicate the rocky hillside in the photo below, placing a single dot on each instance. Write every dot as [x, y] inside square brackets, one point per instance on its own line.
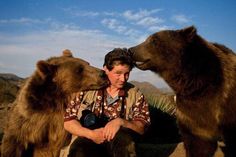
[149, 89]
[9, 86]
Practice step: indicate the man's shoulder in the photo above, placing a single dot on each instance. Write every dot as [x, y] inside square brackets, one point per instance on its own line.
[91, 93]
[88, 95]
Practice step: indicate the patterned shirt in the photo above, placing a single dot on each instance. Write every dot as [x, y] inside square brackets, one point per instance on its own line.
[99, 103]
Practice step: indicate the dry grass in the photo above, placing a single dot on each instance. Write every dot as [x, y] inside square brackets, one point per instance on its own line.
[180, 151]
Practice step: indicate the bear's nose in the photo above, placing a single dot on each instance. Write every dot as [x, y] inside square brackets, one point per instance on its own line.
[130, 52]
[102, 74]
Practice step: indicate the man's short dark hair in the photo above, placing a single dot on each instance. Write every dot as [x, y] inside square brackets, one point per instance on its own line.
[118, 56]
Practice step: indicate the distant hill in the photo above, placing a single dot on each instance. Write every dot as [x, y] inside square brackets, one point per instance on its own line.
[147, 87]
[11, 78]
[9, 86]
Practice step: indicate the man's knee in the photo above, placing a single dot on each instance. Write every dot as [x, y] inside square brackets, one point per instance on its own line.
[80, 147]
[83, 147]
[123, 144]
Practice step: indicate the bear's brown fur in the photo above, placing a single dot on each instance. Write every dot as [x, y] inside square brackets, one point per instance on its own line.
[35, 126]
[203, 76]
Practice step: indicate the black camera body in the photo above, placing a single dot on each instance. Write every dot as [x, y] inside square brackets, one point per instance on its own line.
[91, 121]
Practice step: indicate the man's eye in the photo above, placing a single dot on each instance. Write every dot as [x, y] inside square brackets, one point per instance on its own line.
[118, 72]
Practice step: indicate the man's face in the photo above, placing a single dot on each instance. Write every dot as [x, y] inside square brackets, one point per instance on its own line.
[119, 75]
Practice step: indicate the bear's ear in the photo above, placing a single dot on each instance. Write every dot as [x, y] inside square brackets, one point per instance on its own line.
[67, 53]
[45, 69]
[189, 33]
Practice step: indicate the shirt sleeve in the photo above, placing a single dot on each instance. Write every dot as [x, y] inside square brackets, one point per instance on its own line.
[141, 111]
[73, 107]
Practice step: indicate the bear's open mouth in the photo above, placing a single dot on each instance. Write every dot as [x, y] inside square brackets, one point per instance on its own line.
[142, 64]
[139, 63]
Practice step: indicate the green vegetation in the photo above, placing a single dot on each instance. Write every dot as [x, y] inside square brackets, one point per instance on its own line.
[162, 136]
[163, 102]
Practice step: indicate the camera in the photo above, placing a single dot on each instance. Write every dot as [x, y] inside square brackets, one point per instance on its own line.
[91, 121]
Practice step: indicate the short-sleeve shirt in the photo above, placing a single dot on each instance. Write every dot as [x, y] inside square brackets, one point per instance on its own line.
[130, 103]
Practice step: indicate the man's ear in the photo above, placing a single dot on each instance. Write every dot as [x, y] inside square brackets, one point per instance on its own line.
[105, 69]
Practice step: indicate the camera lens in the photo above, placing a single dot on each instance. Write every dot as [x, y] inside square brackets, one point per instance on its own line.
[89, 120]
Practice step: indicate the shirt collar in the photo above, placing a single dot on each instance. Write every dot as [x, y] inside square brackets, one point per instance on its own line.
[121, 93]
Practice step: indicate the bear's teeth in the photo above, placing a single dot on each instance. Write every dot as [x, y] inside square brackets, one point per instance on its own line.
[139, 63]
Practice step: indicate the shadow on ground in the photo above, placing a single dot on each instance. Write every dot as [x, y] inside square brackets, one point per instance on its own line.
[161, 138]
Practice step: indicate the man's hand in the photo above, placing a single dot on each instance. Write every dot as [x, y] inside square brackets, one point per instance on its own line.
[112, 128]
[97, 136]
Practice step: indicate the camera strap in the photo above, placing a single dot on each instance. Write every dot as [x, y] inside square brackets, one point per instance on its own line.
[122, 112]
[121, 101]
[100, 100]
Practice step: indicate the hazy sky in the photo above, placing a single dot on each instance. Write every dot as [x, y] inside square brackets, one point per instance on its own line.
[31, 30]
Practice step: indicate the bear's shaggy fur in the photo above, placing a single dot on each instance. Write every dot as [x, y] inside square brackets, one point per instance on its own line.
[203, 76]
[35, 123]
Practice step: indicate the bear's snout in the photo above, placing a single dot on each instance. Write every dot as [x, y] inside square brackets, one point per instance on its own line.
[131, 52]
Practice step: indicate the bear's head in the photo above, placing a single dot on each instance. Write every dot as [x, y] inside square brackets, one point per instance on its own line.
[162, 50]
[187, 62]
[70, 74]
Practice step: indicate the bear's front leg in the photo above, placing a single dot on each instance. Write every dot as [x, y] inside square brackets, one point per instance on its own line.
[45, 152]
[196, 146]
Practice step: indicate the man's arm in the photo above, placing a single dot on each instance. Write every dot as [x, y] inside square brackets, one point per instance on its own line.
[113, 127]
[139, 122]
[74, 127]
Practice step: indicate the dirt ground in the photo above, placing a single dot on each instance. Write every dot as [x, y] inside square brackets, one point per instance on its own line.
[180, 152]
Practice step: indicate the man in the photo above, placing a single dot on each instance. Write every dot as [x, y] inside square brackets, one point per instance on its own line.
[121, 106]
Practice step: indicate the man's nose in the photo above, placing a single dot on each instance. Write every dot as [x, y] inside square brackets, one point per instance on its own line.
[122, 78]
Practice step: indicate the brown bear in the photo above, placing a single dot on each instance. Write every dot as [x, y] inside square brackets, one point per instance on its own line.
[35, 123]
[203, 76]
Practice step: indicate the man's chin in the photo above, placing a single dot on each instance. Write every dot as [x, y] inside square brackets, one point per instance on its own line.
[121, 85]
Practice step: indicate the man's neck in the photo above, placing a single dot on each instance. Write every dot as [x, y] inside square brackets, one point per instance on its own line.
[112, 91]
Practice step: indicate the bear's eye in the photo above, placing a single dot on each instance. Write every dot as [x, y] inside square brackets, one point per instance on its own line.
[155, 40]
[79, 70]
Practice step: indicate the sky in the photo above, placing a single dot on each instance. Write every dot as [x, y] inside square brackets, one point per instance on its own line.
[33, 30]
